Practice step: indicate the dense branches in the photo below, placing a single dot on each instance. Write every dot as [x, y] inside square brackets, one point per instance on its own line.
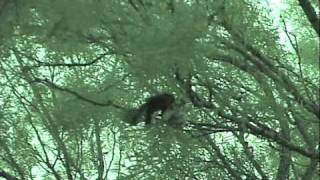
[69, 72]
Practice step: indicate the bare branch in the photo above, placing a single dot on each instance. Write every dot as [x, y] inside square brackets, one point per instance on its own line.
[41, 63]
[76, 94]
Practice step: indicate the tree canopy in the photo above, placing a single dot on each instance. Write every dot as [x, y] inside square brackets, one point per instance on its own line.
[245, 75]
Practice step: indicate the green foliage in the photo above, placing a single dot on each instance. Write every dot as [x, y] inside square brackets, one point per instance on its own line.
[250, 99]
[165, 42]
[309, 50]
[73, 114]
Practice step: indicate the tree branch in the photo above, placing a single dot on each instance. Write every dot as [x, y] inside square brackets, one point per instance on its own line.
[7, 176]
[41, 63]
[311, 14]
[76, 94]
